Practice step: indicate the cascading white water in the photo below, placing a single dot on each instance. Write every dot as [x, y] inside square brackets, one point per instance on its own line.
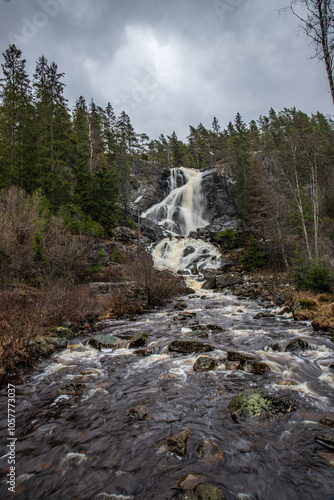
[181, 212]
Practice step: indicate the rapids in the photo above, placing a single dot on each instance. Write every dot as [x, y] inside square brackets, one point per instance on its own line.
[87, 446]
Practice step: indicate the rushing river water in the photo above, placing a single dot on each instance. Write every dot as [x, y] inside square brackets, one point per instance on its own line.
[87, 446]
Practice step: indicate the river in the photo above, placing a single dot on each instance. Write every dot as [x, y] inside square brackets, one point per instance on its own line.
[87, 446]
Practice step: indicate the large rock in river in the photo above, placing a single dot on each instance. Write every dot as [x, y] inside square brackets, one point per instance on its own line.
[187, 346]
[204, 491]
[107, 342]
[175, 445]
[252, 404]
[204, 364]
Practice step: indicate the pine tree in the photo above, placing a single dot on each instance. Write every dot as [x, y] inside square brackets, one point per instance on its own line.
[16, 146]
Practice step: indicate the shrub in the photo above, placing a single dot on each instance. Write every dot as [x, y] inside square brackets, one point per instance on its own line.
[79, 223]
[230, 239]
[312, 274]
[158, 286]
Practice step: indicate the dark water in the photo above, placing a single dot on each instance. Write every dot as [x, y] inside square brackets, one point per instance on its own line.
[86, 447]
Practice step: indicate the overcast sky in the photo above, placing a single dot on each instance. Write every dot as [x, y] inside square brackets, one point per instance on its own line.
[172, 63]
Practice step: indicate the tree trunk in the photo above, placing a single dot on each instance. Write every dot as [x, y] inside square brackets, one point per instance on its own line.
[325, 48]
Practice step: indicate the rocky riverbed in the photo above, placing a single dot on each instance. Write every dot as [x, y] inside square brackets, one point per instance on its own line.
[214, 396]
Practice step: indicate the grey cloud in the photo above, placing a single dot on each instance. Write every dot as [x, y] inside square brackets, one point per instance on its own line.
[176, 63]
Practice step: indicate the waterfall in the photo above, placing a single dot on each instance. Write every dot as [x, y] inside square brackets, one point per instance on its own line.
[180, 213]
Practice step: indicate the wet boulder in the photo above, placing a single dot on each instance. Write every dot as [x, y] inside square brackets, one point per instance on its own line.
[180, 306]
[188, 251]
[204, 364]
[72, 389]
[107, 342]
[143, 352]
[328, 420]
[139, 340]
[263, 315]
[209, 452]
[62, 332]
[139, 413]
[215, 328]
[297, 345]
[326, 440]
[185, 316]
[252, 404]
[188, 346]
[331, 367]
[239, 356]
[175, 445]
[204, 491]
[190, 481]
[253, 366]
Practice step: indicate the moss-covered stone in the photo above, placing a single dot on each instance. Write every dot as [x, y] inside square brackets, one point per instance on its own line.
[209, 452]
[252, 404]
[239, 356]
[62, 332]
[139, 340]
[107, 342]
[204, 364]
[297, 345]
[139, 413]
[326, 440]
[204, 491]
[187, 346]
[72, 389]
[175, 445]
[328, 420]
[254, 367]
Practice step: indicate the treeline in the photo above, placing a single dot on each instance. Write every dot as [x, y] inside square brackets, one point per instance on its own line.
[80, 161]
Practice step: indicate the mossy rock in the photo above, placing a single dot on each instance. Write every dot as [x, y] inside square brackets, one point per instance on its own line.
[209, 452]
[175, 445]
[297, 345]
[62, 332]
[73, 389]
[187, 346]
[139, 413]
[107, 342]
[239, 356]
[139, 340]
[252, 404]
[204, 491]
[326, 440]
[204, 364]
[254, 367]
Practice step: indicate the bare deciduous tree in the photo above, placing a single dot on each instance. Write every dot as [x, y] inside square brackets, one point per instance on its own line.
[318, 24]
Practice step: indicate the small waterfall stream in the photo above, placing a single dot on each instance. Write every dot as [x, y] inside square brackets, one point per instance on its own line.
[180, 213]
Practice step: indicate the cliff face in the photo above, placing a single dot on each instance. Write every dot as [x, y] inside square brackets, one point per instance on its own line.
[219, 191]
[218, 187]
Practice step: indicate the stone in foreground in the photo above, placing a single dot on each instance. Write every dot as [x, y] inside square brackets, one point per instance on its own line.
[328, 420]
[106, 342]
[72, 389]
[187, 346]
[297, 345]
[175, 445]
[139, 340]
[139, 413]
[204, 491]
[326, 440]
[204, 364]
[209, 452]
[252, 404]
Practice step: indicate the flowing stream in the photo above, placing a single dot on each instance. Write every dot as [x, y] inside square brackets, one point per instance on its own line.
[87, 446]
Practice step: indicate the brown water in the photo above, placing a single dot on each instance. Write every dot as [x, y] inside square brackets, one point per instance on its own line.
[86, 447]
